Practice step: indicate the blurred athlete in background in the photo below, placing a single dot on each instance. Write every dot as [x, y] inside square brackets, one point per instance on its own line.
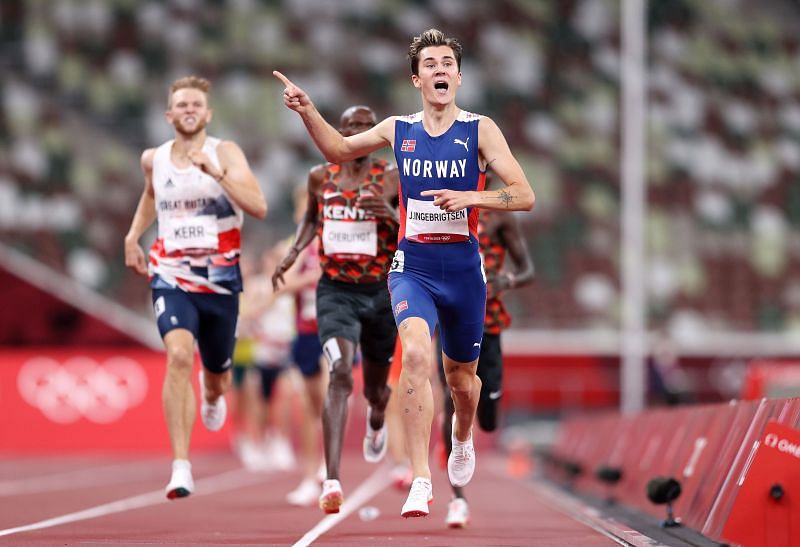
[301, 280]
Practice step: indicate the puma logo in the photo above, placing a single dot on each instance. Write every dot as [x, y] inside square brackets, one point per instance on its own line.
[462, 143]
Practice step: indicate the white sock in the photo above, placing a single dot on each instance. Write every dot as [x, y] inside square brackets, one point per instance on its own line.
[181, 464]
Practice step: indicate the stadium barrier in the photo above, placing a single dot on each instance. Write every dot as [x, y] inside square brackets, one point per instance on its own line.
[70, 400]
[87, 400]
[738, 465]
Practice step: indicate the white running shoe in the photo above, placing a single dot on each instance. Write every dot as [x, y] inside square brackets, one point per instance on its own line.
[457, 513]
[305, 494]
[461, 462]
[375, 441]
[212, 414]
[278, 451]
[332, 497]
[252, 457]
[419, 497]
[181, 483]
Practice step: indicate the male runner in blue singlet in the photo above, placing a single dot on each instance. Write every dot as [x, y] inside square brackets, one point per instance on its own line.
[442, 154]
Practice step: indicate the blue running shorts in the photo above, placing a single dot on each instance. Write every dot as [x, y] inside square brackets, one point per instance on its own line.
[306, 351]
[447, 292]
[211, 318]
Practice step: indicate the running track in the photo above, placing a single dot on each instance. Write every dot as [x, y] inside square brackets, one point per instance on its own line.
[81, 500]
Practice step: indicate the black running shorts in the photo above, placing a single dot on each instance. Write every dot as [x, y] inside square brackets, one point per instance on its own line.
[359, 312]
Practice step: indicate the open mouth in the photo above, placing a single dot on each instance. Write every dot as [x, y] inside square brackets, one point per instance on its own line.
[441, 86]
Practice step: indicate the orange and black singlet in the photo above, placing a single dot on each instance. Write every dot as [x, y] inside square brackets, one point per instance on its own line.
[355, 246]
[494, 255]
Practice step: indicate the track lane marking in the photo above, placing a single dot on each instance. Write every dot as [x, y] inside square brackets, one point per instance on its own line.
[228, 480]
[77, 478]
[375, 483]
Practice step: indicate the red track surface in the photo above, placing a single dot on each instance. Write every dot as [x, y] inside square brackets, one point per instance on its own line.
[232, 506]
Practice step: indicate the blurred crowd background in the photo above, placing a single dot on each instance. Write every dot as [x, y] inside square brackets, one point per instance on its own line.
[84, 84]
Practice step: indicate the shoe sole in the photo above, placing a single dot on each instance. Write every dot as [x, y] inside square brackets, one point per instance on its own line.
[330, 504]
[179, 492]
[414, 513]
[460, 484]
[457, 524]
[417, 512]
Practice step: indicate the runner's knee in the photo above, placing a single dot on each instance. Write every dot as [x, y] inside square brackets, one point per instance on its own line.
[341, 379]
[376, 395]
[462, 380]
[416, 361]
[180, 357]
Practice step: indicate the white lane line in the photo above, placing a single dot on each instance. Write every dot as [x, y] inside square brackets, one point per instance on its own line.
[210, 485]
[77, 478]
[376, 482]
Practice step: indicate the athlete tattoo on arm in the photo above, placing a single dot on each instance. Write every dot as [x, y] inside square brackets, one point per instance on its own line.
[506, 198]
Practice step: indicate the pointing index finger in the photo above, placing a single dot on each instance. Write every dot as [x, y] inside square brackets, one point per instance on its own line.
[282, 78]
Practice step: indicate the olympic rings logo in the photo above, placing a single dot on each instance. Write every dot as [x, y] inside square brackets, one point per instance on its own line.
[82, 388]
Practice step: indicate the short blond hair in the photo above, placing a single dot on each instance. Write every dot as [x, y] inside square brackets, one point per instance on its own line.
[188, 82]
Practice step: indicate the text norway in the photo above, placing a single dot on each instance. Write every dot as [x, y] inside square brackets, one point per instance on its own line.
[443, 168]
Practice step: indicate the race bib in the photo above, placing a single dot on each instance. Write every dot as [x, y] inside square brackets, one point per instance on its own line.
[194, 232]
[349, 240]
[426, 223]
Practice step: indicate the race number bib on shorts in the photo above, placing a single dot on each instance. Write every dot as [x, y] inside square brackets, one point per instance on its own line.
[349, 240]
[195, 232]
[426, 223]
[398, 261]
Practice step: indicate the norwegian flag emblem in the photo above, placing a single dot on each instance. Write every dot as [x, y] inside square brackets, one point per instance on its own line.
[408, 145]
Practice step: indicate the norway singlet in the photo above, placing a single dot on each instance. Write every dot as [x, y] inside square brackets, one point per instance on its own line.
[436, 273]
[199, 228]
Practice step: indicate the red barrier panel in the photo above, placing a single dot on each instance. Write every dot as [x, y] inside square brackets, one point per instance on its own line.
[767, 508]
[782, 411]
[705, 470]
[87, 400]
[651, 436]
[709, 449]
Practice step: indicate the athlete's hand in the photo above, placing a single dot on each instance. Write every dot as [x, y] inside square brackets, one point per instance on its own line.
[282, 268]
[200, 160]
[450, 200]
[134, 257]
[495, 285]
[293, 97]
[377, 205]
